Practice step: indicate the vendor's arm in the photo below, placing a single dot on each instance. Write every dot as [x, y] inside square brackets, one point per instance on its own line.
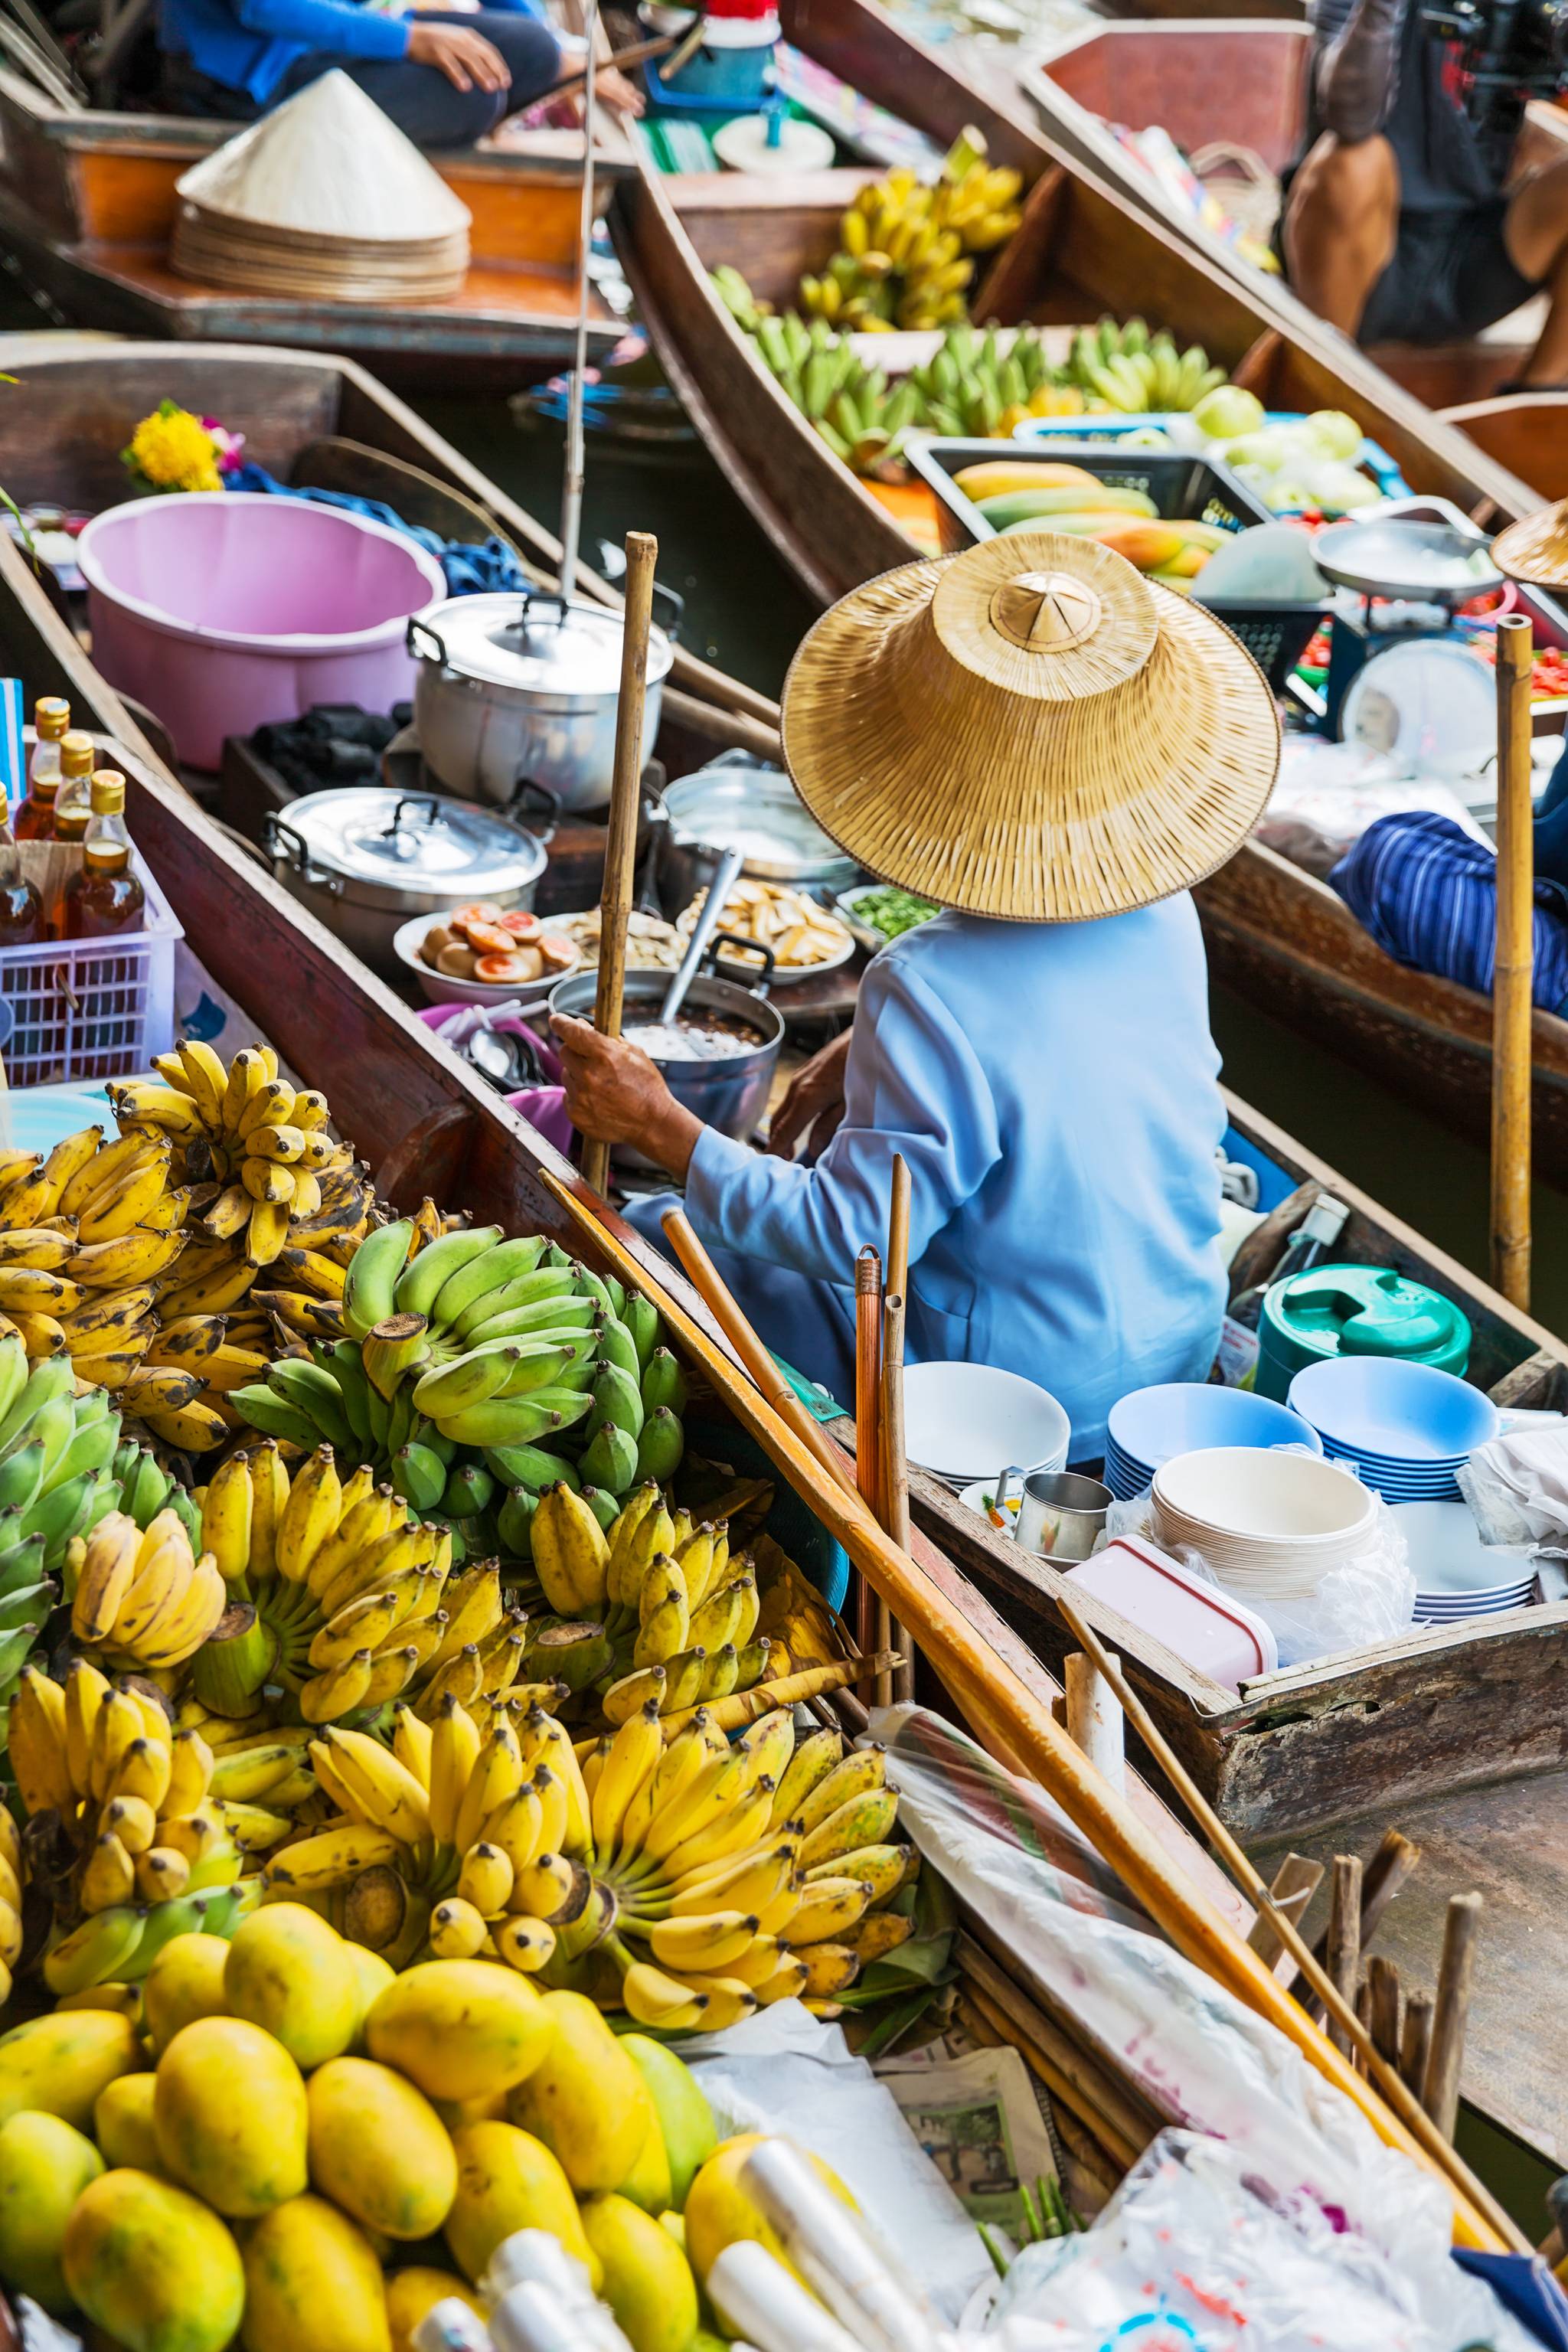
[336, 27]
[1357, 50]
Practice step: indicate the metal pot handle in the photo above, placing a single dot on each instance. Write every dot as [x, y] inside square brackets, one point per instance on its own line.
[290, 848]
[744, 975]
[436, 649]
[548, 807]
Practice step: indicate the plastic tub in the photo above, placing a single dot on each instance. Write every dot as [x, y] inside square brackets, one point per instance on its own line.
[225, 613]
[1394, 1416]
[1210, 1629]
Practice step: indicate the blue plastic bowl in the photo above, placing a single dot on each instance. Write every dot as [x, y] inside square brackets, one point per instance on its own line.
[1395, 1417]
[1148, 1426]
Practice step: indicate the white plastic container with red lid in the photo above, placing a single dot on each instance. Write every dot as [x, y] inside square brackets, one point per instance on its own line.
[1209, 1628]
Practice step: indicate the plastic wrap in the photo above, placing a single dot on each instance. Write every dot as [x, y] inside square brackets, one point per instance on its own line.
[1517, 1486]
[1327, 794]
[1369, 1598]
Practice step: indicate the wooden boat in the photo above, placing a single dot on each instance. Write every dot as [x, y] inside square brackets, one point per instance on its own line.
[87, 201]
[1205, 82]
[1083, 248]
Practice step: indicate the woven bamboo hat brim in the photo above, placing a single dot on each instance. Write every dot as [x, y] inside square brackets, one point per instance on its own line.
[1536, 549]
[1030, 731]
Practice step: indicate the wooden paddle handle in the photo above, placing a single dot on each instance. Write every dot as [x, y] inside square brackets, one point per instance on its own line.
[625, 798]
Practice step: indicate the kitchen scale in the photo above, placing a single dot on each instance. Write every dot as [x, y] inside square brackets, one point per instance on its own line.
[1411, 570]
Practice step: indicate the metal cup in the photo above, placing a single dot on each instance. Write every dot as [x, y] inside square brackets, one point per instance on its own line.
[1061, 1515]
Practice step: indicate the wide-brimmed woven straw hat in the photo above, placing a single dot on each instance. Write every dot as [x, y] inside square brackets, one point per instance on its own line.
[1030, 731]
[1536, 549]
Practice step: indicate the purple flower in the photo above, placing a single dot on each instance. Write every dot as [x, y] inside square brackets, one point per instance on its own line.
[229, 448]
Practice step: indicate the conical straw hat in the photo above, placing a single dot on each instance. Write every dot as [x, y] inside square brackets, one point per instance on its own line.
[1030, 731]
[327, 163]
[1536, 549]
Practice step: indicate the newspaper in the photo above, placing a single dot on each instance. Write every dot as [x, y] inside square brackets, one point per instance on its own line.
[977, 2118]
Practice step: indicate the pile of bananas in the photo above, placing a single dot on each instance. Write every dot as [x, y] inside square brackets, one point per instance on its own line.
[339, 1598]
[120, 1827]
[141, 1599]
[1134, 372]
[906, 250]
[688, 1883]
[462, 1362]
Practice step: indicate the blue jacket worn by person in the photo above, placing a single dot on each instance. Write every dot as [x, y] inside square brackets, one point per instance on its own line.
[1053, 1089]
[250, 45]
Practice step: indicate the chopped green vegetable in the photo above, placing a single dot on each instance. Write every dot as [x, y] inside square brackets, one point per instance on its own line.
[890, 910]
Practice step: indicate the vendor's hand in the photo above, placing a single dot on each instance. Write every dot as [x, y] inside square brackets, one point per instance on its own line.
[814, 1102]
[615, 1094]
[615, 90]
[465, 56]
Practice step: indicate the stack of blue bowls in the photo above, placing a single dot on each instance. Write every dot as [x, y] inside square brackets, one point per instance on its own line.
[1152, 1425]
[1406, 1429]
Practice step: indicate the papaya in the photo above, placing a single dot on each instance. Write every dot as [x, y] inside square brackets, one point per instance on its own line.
[154, 2268]
[122, 2122]
[647, 2280]
[461, 2028]
[288, 1971]
[686, 2119]
[59, 2064]
[45, 2165]
[231, 2116]
[1149, 545]
[506, 2180]
[1040, 507]
[997, 478]
[185, 1983]
[312, 2283]
[720, 2213]
[585, 2100]
[378, 2148]
[412, 2293]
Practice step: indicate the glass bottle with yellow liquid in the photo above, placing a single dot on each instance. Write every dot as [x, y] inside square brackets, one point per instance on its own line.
[51, 724]
[21, 909]
[73, 807]
[105, 897]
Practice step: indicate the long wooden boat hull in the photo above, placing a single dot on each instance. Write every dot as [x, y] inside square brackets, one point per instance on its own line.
[1084, 248]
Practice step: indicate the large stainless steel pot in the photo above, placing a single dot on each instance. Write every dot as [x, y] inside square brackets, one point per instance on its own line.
[366, 858]
[524, 688]
[731, 1094]
[737, 802]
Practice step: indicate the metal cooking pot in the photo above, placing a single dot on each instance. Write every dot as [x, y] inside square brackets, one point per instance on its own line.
[524, 688]
[366, 858]
[737, 800]
[730, 1094]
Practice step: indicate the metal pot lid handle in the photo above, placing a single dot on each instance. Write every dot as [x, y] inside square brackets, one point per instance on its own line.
[290, 848]
[547, 808]
[405, 846]
[418, 629]
[744, 974]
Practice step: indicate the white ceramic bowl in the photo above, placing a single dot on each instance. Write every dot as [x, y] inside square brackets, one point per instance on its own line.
[968, 1422]
[1265, 1521]
[440, 990]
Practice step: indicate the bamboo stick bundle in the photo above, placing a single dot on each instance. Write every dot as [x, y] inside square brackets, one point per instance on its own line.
[1117, 2103]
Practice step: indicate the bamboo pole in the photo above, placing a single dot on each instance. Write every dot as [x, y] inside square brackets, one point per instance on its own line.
[895, 1515]
[1441, 2089]
[1415, 2040]
[1344, 1937]
[1514, 970]
[626, 796]
[1383, 1978]
[1293, 1886]
[1094, 1720]
[964, 1661]
[871, 1618]
[1379, 1882]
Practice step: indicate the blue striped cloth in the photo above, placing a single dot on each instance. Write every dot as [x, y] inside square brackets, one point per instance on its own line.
[1427, 894]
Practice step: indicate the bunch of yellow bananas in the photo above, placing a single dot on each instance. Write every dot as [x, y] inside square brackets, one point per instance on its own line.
[11, 1872]
[345, 1599]
[142, 1600]
[132, 1827]
[906, 250]
[654, 1610]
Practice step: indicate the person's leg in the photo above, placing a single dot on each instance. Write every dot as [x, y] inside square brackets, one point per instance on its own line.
[425, 106]
[1341, 224]
[1536, 234]
[531, 49]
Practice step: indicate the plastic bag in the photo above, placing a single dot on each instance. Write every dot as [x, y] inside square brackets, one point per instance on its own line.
[1369, 1598]
[1327, 794]
[1517, 1486]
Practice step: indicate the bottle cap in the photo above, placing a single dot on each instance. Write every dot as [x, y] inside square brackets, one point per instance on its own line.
[108, 793]
[51, 717]
[79, 754]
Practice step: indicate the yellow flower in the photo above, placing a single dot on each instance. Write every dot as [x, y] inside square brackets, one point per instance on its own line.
[174, 451]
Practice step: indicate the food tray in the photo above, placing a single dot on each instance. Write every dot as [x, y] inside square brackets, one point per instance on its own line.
[92, 1008]
[1196, 488]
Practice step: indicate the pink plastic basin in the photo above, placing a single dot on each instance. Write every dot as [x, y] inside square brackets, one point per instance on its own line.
[225, 613]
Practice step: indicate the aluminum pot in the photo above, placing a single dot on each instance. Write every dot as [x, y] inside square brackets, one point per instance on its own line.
[730, 1094]
[366, 858]
[512, 689]
[737, 800]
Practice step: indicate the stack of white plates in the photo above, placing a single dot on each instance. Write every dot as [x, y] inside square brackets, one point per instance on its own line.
[1271, 1525]
[1456, 1575]
[969, 1422]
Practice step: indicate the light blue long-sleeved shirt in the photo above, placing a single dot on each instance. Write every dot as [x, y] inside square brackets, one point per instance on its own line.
[250, 45]
[1053, 1090]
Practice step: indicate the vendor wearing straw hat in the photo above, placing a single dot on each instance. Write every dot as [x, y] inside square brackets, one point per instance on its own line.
[1053, 749]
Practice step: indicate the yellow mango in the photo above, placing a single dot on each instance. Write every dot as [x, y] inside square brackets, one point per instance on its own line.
[231, 2116]
[719, 2213]
[507, 2181]
[59, 2064]
[122, 2122]
[412, 2293]
[585, 2100]
[686, 2119]
[647, 2280]
[312, 2284]
[185, 1983]
[374, 1975]
[155, 2268]
[45, 2165]
[290, 1973]
[461, 2028]
[649, 2183]
[379, 2149]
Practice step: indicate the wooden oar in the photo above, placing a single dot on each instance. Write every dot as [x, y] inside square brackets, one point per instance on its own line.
[1513, 974]
[625, 798]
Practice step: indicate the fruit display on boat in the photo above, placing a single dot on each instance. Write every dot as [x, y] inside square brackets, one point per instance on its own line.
[1023, 496]
[907, 249]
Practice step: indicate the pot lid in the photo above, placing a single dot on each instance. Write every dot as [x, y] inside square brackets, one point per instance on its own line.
[536, 644]
[1366, 1310]
[739, 803]
[412, 845]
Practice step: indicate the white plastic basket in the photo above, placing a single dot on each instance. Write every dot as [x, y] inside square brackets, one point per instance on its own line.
[92, 1008]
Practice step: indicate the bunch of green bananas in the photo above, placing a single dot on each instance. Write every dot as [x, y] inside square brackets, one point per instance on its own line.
[463, 1362]
[906, 249]
[1134, 372]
